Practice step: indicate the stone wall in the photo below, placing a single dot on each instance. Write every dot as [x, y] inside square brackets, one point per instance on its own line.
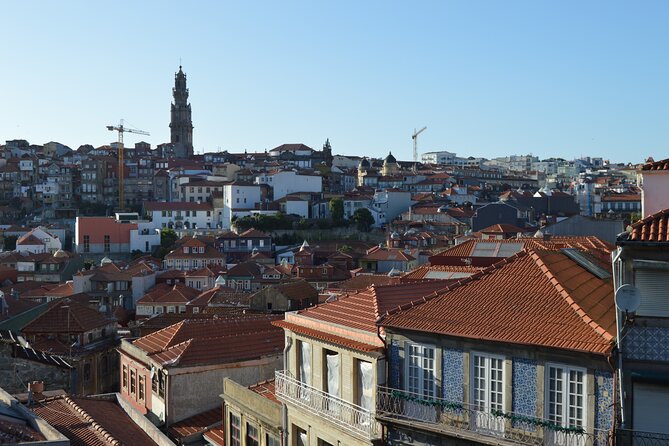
[16, 373]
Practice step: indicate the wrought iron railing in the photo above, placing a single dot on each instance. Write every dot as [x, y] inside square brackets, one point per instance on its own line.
[625, 437]
[463, 420]
[347, 416]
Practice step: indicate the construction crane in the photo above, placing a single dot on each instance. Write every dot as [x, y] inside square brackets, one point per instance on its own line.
[415, 142]
[121, 162]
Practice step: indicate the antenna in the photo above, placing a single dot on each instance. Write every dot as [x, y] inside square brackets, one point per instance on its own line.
[628, 298]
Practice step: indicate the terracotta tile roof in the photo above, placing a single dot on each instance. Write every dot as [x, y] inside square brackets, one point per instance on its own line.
[621, 197]
[224, 349]
[81, 317]
[207, 271]
[502, 229]
[205, 297]
[18, 433]
[245, 269]
[216, 436]
[88, 421]
[656, 165]
[209, 253]
[196, 424]
[97, 227]
[469, 248]
[328, 337]
[297, 290]
[253, 233]
[266, 389]
[654, 228]
[363, 281]
[388, 254]
[202, 328]
[540, 298]
[29, 239]
[360, 310]
[440, 272]
[169, 294]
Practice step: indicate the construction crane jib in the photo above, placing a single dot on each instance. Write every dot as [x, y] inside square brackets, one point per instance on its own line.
[414, 137]
[121, 129]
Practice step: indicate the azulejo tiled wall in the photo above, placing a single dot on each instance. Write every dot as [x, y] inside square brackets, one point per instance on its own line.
[647, 343]
[524, 385]
[394, 352]
[453, 374]
[603, 403]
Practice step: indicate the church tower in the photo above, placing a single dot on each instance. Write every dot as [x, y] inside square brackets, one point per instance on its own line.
[181, 125]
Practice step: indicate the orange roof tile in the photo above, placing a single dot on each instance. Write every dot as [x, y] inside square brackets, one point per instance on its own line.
[195, 424]
[89, 421]
[67, 316]
[540, 298]
[654, 228]
[656, 165]
[169, 294]
[266, 389]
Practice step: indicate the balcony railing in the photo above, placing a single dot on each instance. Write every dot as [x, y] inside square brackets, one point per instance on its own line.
[465, 421]
[347, 416]
[638, 438]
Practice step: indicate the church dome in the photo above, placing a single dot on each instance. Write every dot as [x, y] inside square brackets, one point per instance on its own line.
[390, 158]
[364, 164]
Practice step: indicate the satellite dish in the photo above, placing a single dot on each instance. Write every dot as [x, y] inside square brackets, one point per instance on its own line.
[628, 298]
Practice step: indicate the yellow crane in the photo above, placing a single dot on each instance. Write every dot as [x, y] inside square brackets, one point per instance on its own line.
[121, 129]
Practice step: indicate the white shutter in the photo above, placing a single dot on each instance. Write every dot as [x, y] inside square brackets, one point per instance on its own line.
[653, 285]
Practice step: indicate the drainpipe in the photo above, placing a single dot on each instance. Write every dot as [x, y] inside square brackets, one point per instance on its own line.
[385, 355]
[619, 331]
[284, 409]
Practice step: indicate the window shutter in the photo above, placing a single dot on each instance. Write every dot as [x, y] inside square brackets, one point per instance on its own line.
[653, 285]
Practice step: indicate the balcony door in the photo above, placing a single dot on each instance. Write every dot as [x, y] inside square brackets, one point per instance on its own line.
[420, 382]
[487, 394]
[565, 404]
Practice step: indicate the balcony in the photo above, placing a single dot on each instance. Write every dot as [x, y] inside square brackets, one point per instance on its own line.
[638, 438]
[347, 416]
[456, 419]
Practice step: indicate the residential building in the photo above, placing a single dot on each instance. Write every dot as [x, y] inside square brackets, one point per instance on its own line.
[177, 372]
[520, 353]
[164, 298]
[640, 263]
[285, 182]
[113, 235]
[193, 253]
[334, 362]
[181, 214]
[288, 296]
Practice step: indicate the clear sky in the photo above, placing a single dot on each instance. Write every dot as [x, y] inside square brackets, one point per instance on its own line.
[488, 78]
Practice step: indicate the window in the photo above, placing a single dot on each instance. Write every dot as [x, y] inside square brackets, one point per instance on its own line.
[133, 381]
[565, 395]
[420, 373]
[305, 363]
[252, 435]
[87, 243]
[140, 396]
[87, 372]
[161, 385]
[332, 381]
[235, 431]
[125, 377]
[271, 440]
[488, 391]
[171, 309]
[107, 244]
[365, 390]
[154, 381]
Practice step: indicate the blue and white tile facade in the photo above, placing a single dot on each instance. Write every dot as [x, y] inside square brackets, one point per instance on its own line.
[394, 352]
[524, 386]
[603, 400]
[647, 344]
[453, 375]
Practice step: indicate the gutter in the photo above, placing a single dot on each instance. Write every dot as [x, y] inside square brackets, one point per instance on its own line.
[385, 356]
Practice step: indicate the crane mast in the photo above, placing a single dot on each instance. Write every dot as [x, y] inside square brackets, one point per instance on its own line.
[121, 129]
[414, 137]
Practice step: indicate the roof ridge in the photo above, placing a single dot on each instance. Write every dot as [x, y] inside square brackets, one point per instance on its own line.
[459, 283]
[94, 424]
[568, 299]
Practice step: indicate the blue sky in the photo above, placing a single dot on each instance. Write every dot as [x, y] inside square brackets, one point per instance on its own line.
[488, 78]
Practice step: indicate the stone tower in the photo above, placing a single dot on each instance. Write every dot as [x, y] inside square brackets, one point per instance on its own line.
[181, 125]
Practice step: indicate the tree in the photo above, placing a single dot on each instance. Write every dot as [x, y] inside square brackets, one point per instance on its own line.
[10, 243]
[363, 218]
[168, 237]
[336, 206]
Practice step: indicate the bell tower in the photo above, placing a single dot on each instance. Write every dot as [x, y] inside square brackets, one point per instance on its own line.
[181, 125]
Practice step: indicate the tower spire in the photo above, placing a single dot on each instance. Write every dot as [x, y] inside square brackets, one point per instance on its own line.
[181, 124]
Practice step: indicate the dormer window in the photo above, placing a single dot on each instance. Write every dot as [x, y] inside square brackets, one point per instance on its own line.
[201, 249]
[185, 249]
